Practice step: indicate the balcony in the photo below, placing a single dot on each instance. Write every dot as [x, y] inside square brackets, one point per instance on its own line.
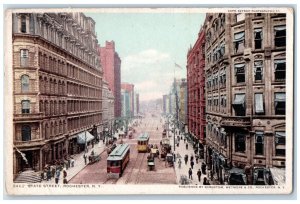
[29, 144]
[28, 116]
[236, 121]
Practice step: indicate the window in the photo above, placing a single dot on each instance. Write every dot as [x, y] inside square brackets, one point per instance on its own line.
[239, 40]
[280, 36]
[240, 73]
[239, 105]
[24, 83]
[23, 24]
[259, 103]
[280, 68]
[258, 38]
[240, 142]
[280, 143]
[26, 133]
[258, 14]
[240, 17]
[25, 106]
[222, 49]
[258, 68]
[279, 103]
[24, 58]
[259, 143]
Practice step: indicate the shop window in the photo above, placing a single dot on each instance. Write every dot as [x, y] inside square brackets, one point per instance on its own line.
[280, 70]
[258, 70]
[240, 142]
[24, 58]
[259, 143]
[280, 36]
[279, 103]
[24, 83]
[240, 73]
[258, 36]
[240, 17]
[25, 106]
[280, 143]
[238, 42]
[23, 24]
[26, 133]
[259, 103]
[239, 105]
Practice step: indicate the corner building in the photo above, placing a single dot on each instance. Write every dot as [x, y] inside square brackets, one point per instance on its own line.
[245, 69]
[57, 86]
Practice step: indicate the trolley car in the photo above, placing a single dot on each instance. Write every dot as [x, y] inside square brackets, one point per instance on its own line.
[117, 160]
[142, 142]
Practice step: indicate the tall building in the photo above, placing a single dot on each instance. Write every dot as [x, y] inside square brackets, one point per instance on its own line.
[111, 64]
[183, 105]
[136, 104]
[165, 104]
[245, 91]
[125, 99]
[105, 105]
[129, 88]
[196, 89]
[57, 86]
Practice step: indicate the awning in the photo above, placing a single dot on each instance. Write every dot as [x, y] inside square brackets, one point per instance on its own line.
[259, 103]
[239, 36]
[280, 134]
[239, 99]
[280, 28]
[84, 137]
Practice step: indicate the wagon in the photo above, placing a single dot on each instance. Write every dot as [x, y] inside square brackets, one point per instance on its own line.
[94, 158]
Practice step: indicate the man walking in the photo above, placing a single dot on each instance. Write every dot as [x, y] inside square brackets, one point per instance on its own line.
[186, 146]
[186, 157]
[84, 157]
[190, 174]
[179, 163]
[199, 175]
[57, 175]
[192, 164]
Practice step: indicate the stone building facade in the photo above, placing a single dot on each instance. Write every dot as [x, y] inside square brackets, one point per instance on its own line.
[57, 85]
[108, 107]
[111, 64]
[183, 105]
[196, 89]
[245, 93]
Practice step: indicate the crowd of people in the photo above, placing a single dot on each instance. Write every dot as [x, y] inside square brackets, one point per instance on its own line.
[54, 171]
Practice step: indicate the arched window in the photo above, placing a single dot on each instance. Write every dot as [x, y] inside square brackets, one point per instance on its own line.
[24, 57]
[25, 106]
[26, 133]
[25, 83]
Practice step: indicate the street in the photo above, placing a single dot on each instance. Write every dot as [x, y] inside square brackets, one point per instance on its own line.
[136, 171]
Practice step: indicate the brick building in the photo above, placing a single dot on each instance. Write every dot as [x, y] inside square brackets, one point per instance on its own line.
[57, 86]
[111, 64]
[245, 93]
[196, 89]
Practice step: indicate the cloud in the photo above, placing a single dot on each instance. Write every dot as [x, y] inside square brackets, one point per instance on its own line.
[151, 71]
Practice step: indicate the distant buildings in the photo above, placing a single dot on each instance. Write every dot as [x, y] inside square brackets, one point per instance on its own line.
[196, 89]
[111, 64]
[108, 106]
[183, 101]
[245, 71]
[127, 99]
[57, 87]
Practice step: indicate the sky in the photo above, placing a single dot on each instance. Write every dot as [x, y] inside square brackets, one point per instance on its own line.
[149, 45]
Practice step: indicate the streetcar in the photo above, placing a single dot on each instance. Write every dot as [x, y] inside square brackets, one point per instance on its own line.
[118, 160]
[142, 142]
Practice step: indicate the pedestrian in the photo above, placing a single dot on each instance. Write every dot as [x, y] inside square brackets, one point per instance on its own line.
[52, 171]
[205, 181]
[84, 157]
[199, 175]
[57, 175]
[187, 146]
[65, 177]
[197, 159]
[179, 163]
[49, 174]
[72, 162]
[192, 157]
[190, 174]
[203, 168]
[192, 164]
[174, 156]
[186, 157]
[184, 140]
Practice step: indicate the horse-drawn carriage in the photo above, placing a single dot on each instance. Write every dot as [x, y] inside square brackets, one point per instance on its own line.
[150, 162]
[165, 147]
[94, 158]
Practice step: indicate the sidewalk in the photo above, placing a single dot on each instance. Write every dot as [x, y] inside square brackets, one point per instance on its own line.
[79, 163]
[183, 171]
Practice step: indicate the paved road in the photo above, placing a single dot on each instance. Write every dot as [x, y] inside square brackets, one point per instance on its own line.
[136, 171]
